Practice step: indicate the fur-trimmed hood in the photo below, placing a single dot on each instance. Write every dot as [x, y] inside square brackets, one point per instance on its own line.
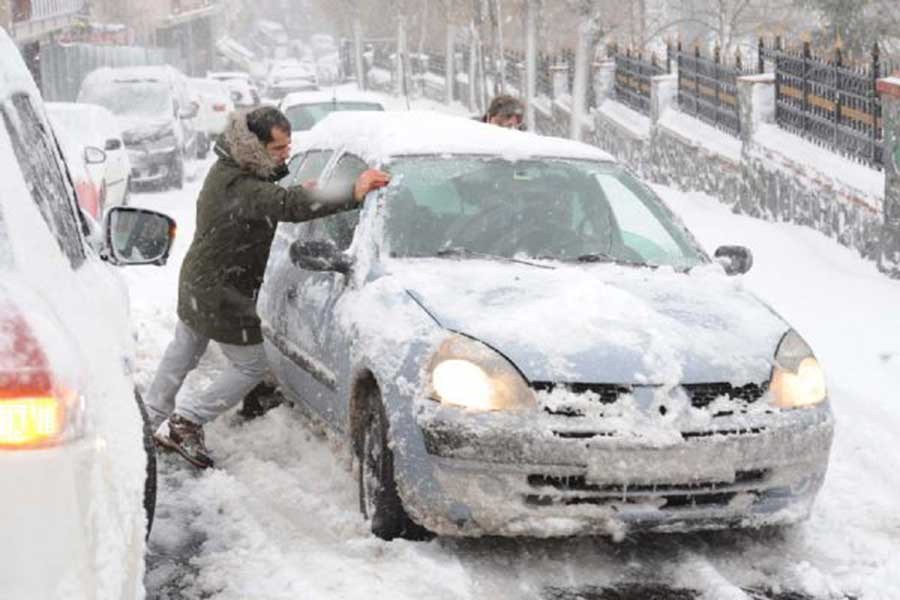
[243, 147]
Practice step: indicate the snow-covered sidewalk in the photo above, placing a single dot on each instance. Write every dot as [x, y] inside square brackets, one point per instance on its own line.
[279, 517]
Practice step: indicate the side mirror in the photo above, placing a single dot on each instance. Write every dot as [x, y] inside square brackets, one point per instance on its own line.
[136, 236]
[320, 255]
[736, 260]
[189, 112]
[112, 144]
[94, 155]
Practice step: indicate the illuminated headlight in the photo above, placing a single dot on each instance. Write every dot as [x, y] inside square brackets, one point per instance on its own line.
[470, 375]
[797, 378]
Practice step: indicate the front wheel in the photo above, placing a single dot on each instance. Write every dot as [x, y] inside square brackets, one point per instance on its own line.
[378, 498]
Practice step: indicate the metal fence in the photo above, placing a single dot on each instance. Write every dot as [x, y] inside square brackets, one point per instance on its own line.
[633, 75]
[64, 67]
[707, 88]
[829, 102]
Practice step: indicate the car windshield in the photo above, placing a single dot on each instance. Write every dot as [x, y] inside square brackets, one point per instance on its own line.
[304, 116]
[543, 208]
[138, 99]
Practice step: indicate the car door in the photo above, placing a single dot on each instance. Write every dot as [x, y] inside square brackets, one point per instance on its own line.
[277, 299]
[314, 299]
[117, 164]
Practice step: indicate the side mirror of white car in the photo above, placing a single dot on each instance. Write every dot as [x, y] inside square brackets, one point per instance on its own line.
[736, 260]
[137, 236]
[94, 155]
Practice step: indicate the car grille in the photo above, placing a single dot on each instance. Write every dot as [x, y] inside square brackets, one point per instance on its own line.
[553, 490]
[701, 394]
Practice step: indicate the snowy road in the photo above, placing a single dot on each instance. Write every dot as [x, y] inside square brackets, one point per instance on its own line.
[278, 517]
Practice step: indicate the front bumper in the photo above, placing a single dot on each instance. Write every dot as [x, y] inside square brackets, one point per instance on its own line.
[507, 475]
[50, 515]
[151, 166]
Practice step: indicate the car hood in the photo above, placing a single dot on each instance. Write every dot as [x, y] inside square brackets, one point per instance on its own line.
[140, 128]
[603, 323]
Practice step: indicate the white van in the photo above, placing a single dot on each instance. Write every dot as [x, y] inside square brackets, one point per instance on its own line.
[76, 461]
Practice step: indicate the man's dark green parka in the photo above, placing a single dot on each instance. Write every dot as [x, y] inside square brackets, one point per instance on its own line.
[237, 212]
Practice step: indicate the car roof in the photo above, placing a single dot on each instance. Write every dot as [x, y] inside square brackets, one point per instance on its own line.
[318, 97]
[377, 137]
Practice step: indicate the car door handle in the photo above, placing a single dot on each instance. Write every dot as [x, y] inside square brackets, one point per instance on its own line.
[291, 293]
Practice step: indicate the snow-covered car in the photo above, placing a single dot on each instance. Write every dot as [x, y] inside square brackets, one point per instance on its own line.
[244, 93]
[214, 105]
[157, 118]
[279, 90]
[80, 159]
[518, 337]
[305, 109]
[91, 125]
[77, 467]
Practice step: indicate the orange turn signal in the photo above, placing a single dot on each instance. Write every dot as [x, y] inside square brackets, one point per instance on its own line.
[30, 421]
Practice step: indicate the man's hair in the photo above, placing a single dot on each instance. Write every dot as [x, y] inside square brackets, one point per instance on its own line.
[262, 120]
[505, 106]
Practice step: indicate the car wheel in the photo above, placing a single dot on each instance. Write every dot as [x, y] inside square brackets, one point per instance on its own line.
[176, 180]
[378, 498]
[150, 479]
[202, 146]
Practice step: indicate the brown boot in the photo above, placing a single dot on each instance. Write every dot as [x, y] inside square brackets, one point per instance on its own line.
[185, 438]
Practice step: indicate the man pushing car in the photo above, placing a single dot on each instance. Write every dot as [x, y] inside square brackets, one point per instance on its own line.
[238, 210]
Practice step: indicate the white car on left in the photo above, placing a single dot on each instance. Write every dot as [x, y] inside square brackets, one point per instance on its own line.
[93, 126]
[77, 469]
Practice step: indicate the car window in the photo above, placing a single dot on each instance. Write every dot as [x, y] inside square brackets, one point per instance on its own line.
[36, 154]
[340, 228]
[306, 167]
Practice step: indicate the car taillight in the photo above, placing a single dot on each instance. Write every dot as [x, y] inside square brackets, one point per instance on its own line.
[36, 409]
[219, 107]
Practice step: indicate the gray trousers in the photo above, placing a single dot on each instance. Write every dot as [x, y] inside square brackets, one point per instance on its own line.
[247, 366]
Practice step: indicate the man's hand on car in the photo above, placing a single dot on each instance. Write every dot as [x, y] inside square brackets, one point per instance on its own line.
[370, 181]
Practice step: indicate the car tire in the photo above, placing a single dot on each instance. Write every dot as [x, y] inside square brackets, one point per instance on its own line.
[150, 450]
[176, 179]
[378, 498]
[202, 146]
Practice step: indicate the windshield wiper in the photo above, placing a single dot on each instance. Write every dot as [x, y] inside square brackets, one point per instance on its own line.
[600, 257]
[595, 257]
[460, 251]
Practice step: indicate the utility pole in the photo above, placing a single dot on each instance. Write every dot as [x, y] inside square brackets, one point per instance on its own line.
[531, 8]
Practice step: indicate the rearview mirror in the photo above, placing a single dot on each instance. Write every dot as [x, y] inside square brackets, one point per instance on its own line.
[736, 260]
[136, 236]
[320, 255]
[94, 156]
[112, 144]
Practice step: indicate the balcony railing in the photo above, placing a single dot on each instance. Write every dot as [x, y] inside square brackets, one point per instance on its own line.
[38, 10]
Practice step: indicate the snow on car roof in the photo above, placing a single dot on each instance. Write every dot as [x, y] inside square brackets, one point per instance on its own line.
[318, 97]
[378, 136]
[13, 75]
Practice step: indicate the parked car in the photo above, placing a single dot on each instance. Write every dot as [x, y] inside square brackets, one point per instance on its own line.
[243, 91]
[215, 104]
[305, 109]
[93, 126]
[81, 160]
[518, 337]
[75, 458]
[276, 92]
[157, 116]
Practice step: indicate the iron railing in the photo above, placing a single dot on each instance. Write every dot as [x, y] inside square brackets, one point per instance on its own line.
[827, 101]
[707, 88]
[633, 76]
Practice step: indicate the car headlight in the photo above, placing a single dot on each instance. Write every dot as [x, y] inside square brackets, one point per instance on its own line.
[468, 374]
[797, 379]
